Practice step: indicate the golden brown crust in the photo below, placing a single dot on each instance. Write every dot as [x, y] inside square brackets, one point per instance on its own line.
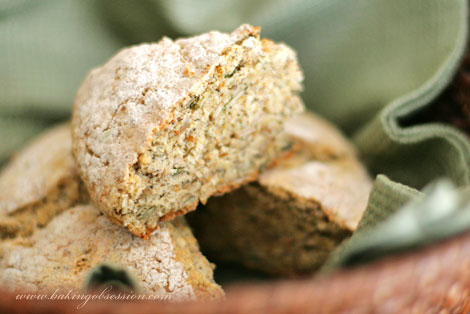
[63, 253]
[439, 275]
[288, 221]
[319, 138]
[198, 268]
[104, 161]
[167, 217]
[55, 243]
[138, 102]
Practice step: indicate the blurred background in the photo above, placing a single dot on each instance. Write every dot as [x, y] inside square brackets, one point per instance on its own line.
[357, 55]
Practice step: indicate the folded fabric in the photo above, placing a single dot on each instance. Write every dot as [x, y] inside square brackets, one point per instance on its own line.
[439, 212]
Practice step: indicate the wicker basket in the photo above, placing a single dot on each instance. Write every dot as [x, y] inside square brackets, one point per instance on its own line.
[435, 279]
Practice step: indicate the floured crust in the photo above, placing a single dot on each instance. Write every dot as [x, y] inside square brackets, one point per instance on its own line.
[290, 219]
[104, 143]
[46, 244]
[123, 104]
[319, 138]
[62, 254]
[40, 182]
[340, 186]
[37, 169]
[325, 171]
[198, 268]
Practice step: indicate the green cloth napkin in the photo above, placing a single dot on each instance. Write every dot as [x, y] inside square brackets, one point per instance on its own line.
[437, 213]
[368, 64]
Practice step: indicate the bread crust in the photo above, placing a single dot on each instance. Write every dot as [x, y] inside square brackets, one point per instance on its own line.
[40, 182]
[294, 214]
[121, 105]
[47, 241]
[37, 169]
[80, 239]
[106, 143]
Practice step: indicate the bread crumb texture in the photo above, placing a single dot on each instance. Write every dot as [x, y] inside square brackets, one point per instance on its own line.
[161, 127]
[294, 215]
[49, 242]
[40, 182]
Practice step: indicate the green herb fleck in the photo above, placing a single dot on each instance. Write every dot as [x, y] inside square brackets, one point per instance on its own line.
[194, 105]
[286, 147]
[178, 171]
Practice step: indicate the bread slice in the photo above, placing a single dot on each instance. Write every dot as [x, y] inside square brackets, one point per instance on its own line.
[77, 241]
[163, 126]
[40, 182]
[288, 221]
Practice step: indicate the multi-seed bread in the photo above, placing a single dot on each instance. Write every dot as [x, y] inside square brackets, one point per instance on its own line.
[163, 126]
[40, 182]
[45, 244]
[289, 220]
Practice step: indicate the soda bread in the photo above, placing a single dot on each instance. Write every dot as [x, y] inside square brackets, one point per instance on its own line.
[39, 183]
[162, 126]
[289, 220]
[61, 255]
[49, 241]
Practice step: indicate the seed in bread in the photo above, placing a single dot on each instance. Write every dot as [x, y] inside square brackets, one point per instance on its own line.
[163, 126]
[289, 220]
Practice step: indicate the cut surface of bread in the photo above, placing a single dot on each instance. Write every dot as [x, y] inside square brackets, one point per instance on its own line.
[294, 215]
[47, 241]
[39, 183]
[163, 126]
